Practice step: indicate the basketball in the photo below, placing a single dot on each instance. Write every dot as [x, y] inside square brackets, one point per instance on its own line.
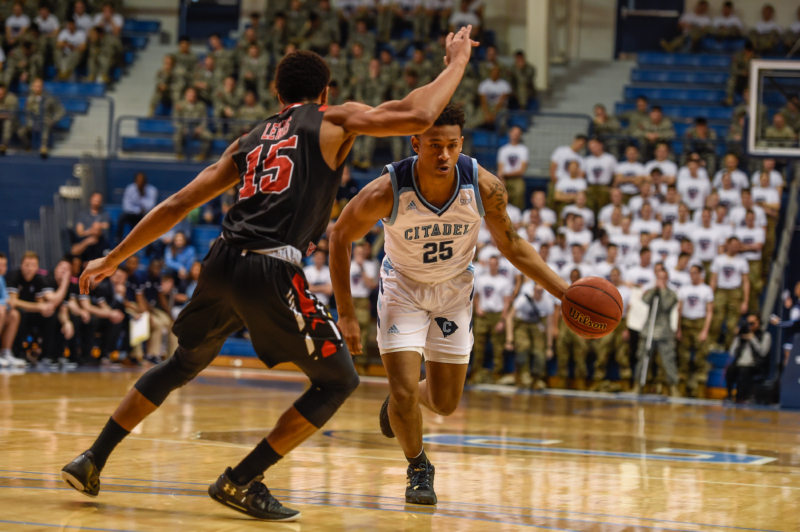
[592, 307]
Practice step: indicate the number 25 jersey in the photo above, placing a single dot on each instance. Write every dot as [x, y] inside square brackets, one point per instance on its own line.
[287, 189]
[427, 244]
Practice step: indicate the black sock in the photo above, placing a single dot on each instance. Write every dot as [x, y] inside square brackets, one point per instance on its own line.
[111, 435]
[421, 459]
[259, 460]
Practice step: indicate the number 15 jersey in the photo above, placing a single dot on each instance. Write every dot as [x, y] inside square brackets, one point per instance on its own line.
[427, 244]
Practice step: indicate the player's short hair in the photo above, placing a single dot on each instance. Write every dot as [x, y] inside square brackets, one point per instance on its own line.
[301, 76]
[453, 115]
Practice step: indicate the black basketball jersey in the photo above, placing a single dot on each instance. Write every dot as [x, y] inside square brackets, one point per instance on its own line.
[287, 189]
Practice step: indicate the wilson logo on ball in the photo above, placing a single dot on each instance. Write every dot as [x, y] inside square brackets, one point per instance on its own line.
[583, 319]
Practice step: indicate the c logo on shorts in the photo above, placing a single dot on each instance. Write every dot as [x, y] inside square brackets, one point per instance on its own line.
[448, 327]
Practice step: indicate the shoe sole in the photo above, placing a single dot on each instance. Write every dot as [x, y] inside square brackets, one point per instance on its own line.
[74, 483]
[435, 501]
[212, 492]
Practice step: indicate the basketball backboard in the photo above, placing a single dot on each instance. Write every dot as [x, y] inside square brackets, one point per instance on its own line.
[773, 83]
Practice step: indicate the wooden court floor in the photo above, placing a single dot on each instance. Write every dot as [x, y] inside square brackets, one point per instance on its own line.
[505, 461]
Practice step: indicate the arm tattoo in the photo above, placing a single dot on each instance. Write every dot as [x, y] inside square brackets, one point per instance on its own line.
[496, 201]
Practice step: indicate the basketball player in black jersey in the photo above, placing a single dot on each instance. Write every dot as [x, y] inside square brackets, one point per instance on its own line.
[288, 169]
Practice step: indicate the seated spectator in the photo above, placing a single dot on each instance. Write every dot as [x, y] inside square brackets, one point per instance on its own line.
[190, 119]
[227, 99]
[169, 85]
[180, 256]
[669, 170]
[739, 72]
[465, 17]
[9, 111]
[253, 71]
[635, 116]
[702, 140]
[792, 33]
[737, 216]
[766, 34]
[738, 178]
[248, 116]
[707, 240]
[319, 277]
[693, 27]
[296, 18]
[605, 127]
[83, 20]
[490, 61]
[205, 79]
[106, 320]
[657, 129]
[224, 59]
[693, 184]
[71, 46]
[42, 113]
[24, 64]
[185, 289]
[604, 217]
[512, 161]
[750, 350]
[646, 196]
[546, 216]
[566, 190]
[139, 199]
[646, 222]
[401, 147]
[776, 180]
[111, 24]
[250, 38]
[494, 93]
[523, 82]
[49, 27]
[779, 133]
[9, 322]
[91, 230]
[727, 25]
[390, 70]
[16, 26]
[579, 208]
[791, 112]
[667, 211]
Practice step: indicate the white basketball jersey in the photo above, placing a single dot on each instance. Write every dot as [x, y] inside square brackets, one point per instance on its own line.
[427, 244]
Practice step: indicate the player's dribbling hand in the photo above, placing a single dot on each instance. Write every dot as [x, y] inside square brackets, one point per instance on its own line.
[98, 270]
[459, 45]
[351, 332]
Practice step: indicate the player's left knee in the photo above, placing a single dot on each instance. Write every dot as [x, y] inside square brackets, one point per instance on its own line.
[445, 406]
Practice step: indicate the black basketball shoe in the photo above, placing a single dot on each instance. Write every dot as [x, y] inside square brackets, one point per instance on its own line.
[420, 484]
[254, 499]
[82, 475]
[386, 427]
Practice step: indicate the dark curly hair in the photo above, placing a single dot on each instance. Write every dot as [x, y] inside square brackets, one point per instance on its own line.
[453, 115]
[301, 76]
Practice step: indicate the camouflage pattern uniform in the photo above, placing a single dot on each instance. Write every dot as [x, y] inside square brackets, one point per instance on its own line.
[185, 65]
[764, 42]
[401, 146]
[371, 91]
[663, 336]
[367, 42]
[613, 345]
[359, 73]
[792, 118]
[276, 42]
[247, 118]
[634, 118]
[206, 82]
[665, 131]
[523, 82]
[740, 72]
[253, 72]
[707, 148]
[485, 70]
[41, 114]
[18, 62]
[784, 137]
[391, 73]
[169, 87]
[464, 96]
[191, 120]
[384, 22]
[690, 330]
[485, 330]
[225, 106]
[530, 340]
[568, 343]
[9, 111]
[102, 57]
[610, 128]
[339, 70]
[295, 25]
[425, 71]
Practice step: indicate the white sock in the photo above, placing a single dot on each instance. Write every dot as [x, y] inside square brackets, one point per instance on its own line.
[6, 352]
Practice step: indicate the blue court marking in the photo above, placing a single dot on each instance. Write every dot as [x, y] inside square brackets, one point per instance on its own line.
[533, 445]
[396, 498]
[30, 523]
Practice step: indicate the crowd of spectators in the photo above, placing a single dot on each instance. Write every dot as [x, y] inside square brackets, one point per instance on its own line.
[376, 50]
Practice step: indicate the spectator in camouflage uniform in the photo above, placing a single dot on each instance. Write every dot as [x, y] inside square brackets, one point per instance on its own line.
[569, 343]
[616, 344]
[224, 59]
[15, 35]
[359, 66]
[390, 69]
[604, 127]
[694, 323]
[168, 85]
[693, 27]
[9, 110]
[703, 140]
[49, 27]
[384, 20]
[779, 133]
[529, 334]
[655, 130]
[296, 19]
[337, 63]
[185, 60]
[641, 113]
[371, 91]
[112, 24]
[227, 99]
[485, 67]
[254, 70]
[278, 38]
[740, 72]
[249, 38]
[401, 147]
[335, 94]
[318, 36]
[24, 64]
[426, 72]
[329, 18]
[766, 35]
[791, 112]
[190, 118]
[206, 79]
[663, 340]
[523, 81]
[42, 113]
[792, 33]
[248, 116]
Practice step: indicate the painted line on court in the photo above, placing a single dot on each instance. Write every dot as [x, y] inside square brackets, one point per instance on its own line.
[294, 497]
[31, 523]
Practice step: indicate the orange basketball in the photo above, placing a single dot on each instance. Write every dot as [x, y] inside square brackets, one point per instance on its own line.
[592, 307]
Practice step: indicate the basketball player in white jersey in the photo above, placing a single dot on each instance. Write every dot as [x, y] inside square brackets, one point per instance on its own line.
[431, 206]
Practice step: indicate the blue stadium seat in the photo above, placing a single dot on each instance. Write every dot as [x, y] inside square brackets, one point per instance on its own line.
[228, 43]
[686, 60]
[64, 124]
[678, 76]
[69, 88]
[71, 106]
[687, 95]
[238, 347]
[150, 126]
[137, 42]
[710, 44]
[128, 57]
[483, 139]
[720, 129]
[202, 237]
[718, 360]
[716, 378]
[685, 111]
[141, 26]
[149, 144]
[114, 211]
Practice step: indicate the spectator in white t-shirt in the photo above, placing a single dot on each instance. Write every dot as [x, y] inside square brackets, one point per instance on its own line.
[611, 261]
[465, 17]
[729, 195]
[577, 233]
[111, 22]
[604, 217]
[667, 211]
[363, 279]
[626, 242]
[646, 223]
[684, 225]
[537, 235]
[665, 246]
[48, 28]
[752, 240]
[566, 190]
[599, 166]
[739, 178]
[693, 186]
[16, 25]
[512, 161]
[727, 25]
[71, 44]
[776, 180]
[493, 295]
[630, 172]
[598, 249]
[646, 196]
[731, 286]
[494, 92]
[562, 156]
[707, 240]
[643, 274]
[547, 216]
[579, 208]
[319, 277]
[766, 34]
[693, 26]
[769, 201]
[695, 311]
[83, 20]
[576, 261]
[737, 215]
[668, 168]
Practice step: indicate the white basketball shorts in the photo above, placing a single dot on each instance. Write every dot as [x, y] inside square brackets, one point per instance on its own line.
[434, 320]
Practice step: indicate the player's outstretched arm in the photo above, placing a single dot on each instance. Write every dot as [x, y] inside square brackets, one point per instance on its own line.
[511, 245]
[375, 201]
[208, 184]
[415, 113]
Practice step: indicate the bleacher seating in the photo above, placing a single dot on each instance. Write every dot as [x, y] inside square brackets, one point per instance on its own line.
[687, 112]
[704, 61]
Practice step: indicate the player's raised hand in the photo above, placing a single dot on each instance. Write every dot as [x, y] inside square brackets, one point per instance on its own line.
[459, 45]
[98, 270]
[351, 332]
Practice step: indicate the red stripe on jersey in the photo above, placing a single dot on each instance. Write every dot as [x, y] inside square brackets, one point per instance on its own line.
[328, 348]
[307, 306]
[323, 108]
